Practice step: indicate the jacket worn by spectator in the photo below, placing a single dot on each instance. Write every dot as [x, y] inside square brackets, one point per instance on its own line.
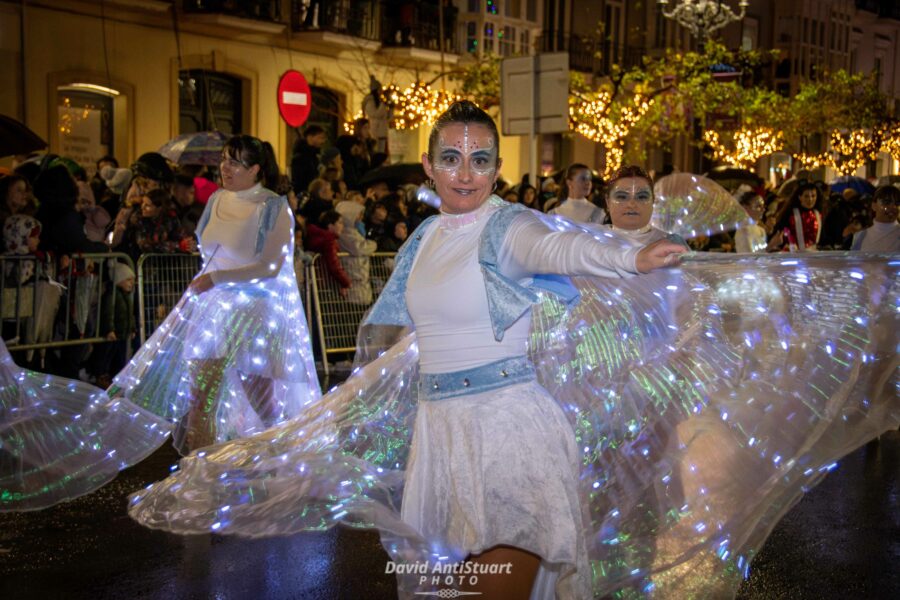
[304, 164]
[325, 243]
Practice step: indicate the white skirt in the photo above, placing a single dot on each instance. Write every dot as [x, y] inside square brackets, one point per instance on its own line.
[499, 468]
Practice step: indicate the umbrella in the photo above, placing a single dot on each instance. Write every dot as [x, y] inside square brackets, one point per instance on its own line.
[16, 138]
[200, 148]
[395, 175]
[857, 184]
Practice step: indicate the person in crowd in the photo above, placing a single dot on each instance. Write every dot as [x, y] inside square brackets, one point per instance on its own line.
[16, 197]
[362, 131]
[320, 199]
[187, 209]
[156, 229]
[149, 172]
[35, 270]
[333, 176]
[376, 220]
[63, 230]
[801, 219]
[302, 258]
[549, 191]
[753, 238]
[573, 202]
[117, 183]
[884, 234]
[379, 114]
[97, 182]
[117, 325]
[511, 196]
[376, 191]
[21, 237]
[528, 196]
[354, 159]
[630, 197]
[96, 219]
[234, 356]
[352, 241]
[322, 238]
[398, 209]
[305, 156]
[398, 232]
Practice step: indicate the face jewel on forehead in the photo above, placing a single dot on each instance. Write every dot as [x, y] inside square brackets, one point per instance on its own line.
[479, 153]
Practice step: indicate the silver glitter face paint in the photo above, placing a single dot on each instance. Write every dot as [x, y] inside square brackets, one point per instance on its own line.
[478, 153]
[633, 188]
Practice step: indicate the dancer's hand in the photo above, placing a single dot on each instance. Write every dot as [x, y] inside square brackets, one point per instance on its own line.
[657, 255]
[201, 284]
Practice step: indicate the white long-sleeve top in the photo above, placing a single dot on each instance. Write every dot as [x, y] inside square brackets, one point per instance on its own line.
[880, 237]
[228, 243]
[640, 237]
[580, 210]
[446, 296]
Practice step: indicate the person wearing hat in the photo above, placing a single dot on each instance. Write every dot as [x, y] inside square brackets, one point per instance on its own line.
[117, 325]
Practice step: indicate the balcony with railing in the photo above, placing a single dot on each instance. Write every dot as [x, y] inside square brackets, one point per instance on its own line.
[331, 20]
[257, 16]
[590, 55]
[417, 26]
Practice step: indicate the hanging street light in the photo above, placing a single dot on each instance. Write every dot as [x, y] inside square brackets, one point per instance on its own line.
[703, 17]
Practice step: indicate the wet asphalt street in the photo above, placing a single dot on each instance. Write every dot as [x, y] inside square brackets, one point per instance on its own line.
[842, 541]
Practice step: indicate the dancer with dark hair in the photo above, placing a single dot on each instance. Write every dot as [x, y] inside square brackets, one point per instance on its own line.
[234, 356]
[573, 202]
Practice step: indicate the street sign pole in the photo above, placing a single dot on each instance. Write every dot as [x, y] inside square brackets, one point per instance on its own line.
[544, 80]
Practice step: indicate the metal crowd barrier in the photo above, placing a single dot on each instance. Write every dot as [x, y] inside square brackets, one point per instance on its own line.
[42, 308]
[38, 313]
[337, 318]
[161, 281]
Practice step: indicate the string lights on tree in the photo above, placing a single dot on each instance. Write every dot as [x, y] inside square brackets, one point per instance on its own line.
[746, 145]
[601, 120]
[414, 106]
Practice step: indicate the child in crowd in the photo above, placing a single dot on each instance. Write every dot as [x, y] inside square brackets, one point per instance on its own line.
[117, 325]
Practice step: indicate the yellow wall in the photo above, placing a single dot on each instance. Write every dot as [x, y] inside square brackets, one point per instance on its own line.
[65, 45]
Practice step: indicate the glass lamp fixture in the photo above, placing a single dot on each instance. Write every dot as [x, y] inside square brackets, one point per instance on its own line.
[702, 17]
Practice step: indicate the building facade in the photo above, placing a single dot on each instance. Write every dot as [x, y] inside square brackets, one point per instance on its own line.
[122, 77]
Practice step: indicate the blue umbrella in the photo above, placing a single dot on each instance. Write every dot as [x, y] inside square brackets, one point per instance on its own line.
[200, 148]
[857, 184]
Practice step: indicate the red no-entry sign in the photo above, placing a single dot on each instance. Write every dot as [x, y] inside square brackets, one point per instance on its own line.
[294, 98]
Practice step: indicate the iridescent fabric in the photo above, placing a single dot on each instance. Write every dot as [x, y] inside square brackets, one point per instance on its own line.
[229, 362]
[690, 205]
[60, 439]
[705, 399]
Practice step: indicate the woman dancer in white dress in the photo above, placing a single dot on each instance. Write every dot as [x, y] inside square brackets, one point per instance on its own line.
[493, 466]
[574, 194]
[629, 199]
[234, 356]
